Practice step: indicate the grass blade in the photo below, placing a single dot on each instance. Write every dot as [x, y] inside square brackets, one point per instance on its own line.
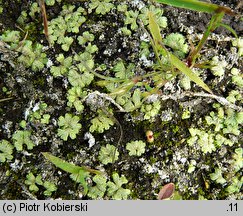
[229, 29]
[157, 39]
[213, 24]
[78, 173]
[68, 167]
[154, 29]
[198, 6]
[187, 71]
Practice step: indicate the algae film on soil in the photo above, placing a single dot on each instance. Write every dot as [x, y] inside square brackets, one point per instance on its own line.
[93, 112]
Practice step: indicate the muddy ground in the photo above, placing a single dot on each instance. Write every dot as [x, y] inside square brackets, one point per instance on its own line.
[165, 160]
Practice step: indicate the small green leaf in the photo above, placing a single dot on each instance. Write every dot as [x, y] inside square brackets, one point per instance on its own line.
[108, 154]
[99, 189]
[115, 189]
[101, 123]
[33, 187]
[50, 187]
[38, 180]
[31, 180]
[238, 159]
[77, 79]
[68, 126]
[86, 37]
[136, 148]
[6, 150]
[101, 7]
[217, 176]
[131, 19]
[22, 137]
[150, 110]
[66, 43]
[10, 36]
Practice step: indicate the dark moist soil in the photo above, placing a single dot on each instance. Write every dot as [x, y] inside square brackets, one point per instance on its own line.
[35, 87]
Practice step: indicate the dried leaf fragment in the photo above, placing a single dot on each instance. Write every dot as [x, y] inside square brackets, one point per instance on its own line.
[166, 191]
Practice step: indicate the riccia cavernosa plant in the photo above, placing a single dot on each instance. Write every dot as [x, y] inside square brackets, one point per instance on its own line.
[84, 82]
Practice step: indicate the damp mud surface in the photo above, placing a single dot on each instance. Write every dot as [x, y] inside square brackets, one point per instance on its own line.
[197, 139]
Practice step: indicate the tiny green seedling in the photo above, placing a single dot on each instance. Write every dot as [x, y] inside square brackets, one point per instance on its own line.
[158, 47]
[33, 181]
[216, 21]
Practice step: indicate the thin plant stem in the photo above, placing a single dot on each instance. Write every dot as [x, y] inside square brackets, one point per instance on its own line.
[45, 22]
[213, 24]
[5, 99]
